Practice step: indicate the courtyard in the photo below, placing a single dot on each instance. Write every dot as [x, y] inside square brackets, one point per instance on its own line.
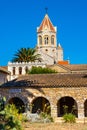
[55, 126]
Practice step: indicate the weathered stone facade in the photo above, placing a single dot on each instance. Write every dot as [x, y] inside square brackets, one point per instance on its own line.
[53, 95]
[67, 87]
[75, 93]
[3, 75]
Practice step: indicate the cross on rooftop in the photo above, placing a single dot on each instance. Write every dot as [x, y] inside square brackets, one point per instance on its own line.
[46, 9]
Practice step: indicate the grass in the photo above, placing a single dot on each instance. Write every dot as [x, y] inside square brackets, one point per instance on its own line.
[55, 126]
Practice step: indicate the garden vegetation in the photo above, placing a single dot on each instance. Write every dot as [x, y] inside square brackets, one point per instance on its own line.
[40, 70]
[10, 119]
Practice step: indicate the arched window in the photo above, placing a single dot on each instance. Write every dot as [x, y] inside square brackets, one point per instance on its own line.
[52, 40]
[67, 105]
[40, 40]
[13, 70]
[46, 40]
[41, 104]
[20, 70]
[18, 103]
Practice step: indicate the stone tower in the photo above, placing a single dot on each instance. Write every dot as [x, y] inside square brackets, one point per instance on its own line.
[60, 53]
[47, 42]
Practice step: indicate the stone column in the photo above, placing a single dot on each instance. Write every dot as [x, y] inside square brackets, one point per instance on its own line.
[10, 69]
[23, 71]
[80, 110]
[54, 111]
[17, 70]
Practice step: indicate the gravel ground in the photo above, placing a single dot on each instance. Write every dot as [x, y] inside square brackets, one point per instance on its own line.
[54, 126]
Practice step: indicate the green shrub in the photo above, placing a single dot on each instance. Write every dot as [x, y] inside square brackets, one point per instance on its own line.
[69, 118]
[46, 108]
[65, 108]
[13, 124]
[40, 70]
[2, 127]
[44, 115]
[12, 119]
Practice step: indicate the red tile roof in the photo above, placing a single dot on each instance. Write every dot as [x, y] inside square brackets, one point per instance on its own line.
[49, 80]
[63, 62]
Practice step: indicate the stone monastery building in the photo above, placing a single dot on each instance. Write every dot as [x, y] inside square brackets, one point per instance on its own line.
[67, 87]
[46, 47]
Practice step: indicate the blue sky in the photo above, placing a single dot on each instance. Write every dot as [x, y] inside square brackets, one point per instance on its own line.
[20, 18]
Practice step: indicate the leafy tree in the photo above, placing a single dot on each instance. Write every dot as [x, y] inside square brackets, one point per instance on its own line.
[26, 55]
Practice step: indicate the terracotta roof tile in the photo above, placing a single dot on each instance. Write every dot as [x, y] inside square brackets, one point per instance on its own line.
[63, 62]
[76, 67]
[4, 70]
[49, 80]
[46, 23]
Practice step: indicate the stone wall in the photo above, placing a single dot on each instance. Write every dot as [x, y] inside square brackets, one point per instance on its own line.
[53, 95]
[59, 69]
[3, 78]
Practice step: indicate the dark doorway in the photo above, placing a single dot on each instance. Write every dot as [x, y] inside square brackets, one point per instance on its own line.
[18, 103]
[41, 104]
[67, 105]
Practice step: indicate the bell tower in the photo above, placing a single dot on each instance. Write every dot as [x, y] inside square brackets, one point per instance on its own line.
[47, 39]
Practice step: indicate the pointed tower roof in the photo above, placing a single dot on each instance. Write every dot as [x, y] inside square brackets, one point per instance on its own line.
[46, 24]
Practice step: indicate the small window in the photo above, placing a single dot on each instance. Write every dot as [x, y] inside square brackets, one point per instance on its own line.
[13, 70]
[46, 40]
[40, 40]
[46, 50]
[20, 70]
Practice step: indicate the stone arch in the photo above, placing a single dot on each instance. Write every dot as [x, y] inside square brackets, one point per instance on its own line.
[41, 104]
[24, 103]
[85, 108]
[46, 40]
[18, 103]
[67, 104]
